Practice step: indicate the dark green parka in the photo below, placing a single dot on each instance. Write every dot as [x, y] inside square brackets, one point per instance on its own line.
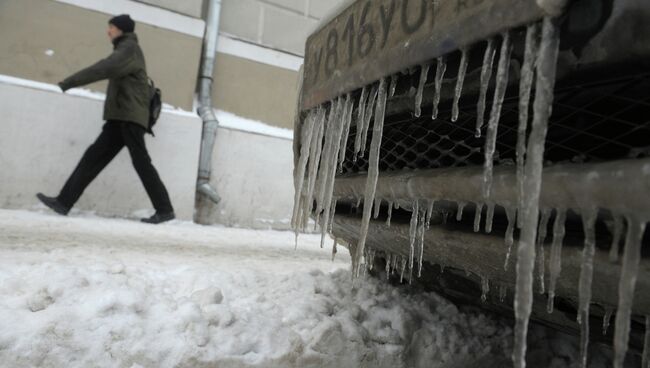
[127, 96]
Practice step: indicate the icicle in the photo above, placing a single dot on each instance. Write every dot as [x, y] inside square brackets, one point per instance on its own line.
[424, 72]
[460, 79]
[334, 250]
[607, 318]
[486, 74]
[367, 116]
[393, 85]
[525, 86]
[541, 237]
[511, 214]
[337, 127]
[477, 217]
[375, 215]
[629, 271]
[489, 218]
[445, 217]
[349, 108]
[485, 288]
[429, 213]
[502, 292]
[495, 113]
[645, 361]
[373, 164]
[359, 202]
[402, 268]
[388, 262]
[545, 82]
[555, 266]
[616, 240]
[413, 231]
[361, 111]
[390, 213]
[306, 139]
[586, 276]
[421, 229]
[440, 74]
[332, 213]
[314, 163]
[459, 213]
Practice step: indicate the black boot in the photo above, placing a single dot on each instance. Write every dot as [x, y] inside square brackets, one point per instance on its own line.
[158, 218]
[53, 203]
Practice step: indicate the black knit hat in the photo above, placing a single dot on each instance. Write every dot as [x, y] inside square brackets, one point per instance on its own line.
[123, 22]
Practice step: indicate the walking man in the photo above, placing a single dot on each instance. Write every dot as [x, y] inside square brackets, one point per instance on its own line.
[126, 111]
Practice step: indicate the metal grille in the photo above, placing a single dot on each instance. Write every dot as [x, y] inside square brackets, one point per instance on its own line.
[591, 122]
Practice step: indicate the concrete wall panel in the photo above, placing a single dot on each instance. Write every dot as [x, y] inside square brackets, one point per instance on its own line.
[192, 8]
[44, 134]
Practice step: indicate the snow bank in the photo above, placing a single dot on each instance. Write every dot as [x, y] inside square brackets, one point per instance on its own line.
[80, 292]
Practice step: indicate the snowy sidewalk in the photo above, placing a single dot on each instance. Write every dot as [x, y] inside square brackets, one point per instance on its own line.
[94, 292]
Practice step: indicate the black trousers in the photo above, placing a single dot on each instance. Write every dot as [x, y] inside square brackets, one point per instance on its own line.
[114, 136]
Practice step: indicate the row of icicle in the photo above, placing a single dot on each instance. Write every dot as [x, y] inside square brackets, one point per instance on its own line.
[324, 139]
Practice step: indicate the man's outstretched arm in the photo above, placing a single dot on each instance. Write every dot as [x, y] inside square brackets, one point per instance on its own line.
[117, 64]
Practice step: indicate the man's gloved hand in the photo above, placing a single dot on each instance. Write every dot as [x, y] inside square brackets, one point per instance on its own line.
[63, 87]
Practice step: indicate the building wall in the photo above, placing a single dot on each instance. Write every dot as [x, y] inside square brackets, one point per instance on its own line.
[279, 24]
[46, 40]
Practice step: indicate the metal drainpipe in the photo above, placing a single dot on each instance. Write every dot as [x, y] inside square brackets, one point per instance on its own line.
[205, 110]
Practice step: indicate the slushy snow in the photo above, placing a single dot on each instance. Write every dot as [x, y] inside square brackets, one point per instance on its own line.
[94, 292]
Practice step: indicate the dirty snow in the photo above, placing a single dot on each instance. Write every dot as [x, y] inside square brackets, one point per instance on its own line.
[93, 292]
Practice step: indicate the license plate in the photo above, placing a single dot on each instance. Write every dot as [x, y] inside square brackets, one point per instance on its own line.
[375, 38]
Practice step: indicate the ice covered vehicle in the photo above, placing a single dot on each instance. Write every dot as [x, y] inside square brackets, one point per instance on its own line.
[496, 151]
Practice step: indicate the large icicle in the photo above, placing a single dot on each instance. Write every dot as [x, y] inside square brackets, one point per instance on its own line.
[545, 82]
[495, 113]
[460, 79]
[586, 276]
[373, 166]
[477, 217]
[421, 230]
[489, 218]
[314, 162]
[424, 73]
[616, 237]
[361, 111]
[326, 159]
[413, 231]
[305, 140]
[525, 87]
[631, 256]
[486, 75]
[555, 261]
[349, 103]
[541, 237]
[372, 98]
[441, 67]
[331, 161]
[511, 214]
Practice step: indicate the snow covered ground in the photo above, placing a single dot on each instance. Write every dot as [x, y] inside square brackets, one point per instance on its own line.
[94, 292]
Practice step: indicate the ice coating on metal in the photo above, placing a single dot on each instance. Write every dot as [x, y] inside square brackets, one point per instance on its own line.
[555, 262]
[486, 75]
[545, 82]
[495, 114]
[441, 67]
[373, 165]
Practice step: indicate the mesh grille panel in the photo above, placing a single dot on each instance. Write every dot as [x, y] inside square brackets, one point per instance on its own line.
[605, 120]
